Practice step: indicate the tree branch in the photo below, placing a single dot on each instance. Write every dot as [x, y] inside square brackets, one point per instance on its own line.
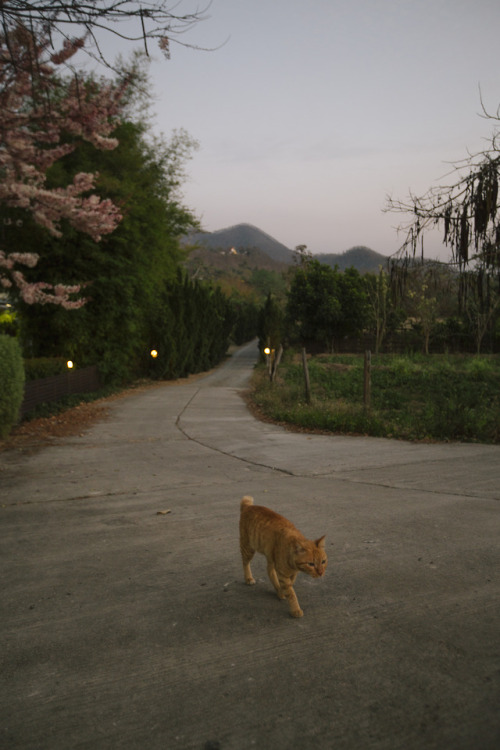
[157, 20]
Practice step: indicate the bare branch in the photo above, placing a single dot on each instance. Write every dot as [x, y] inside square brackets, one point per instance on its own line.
[467, 209]
[156, 20]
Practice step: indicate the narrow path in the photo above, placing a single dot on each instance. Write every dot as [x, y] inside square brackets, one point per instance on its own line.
[216, 417]
[125, 621]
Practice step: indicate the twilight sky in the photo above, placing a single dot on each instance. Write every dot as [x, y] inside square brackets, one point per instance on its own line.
[313, 111]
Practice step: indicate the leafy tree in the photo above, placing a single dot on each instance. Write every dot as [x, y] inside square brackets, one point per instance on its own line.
[424, 308]
[324, 304]
[353, 303]
[314, 306]
[482, 304]
[268, 282]
[378, 300]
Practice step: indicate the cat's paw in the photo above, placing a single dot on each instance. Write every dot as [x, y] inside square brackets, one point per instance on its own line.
[250, 581]
[296, 613]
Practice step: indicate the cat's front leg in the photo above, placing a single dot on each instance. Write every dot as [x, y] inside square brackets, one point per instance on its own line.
[293, 602]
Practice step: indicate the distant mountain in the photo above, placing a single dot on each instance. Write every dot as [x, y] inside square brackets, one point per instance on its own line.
[248, 240]
[360, 257]
[242, 237]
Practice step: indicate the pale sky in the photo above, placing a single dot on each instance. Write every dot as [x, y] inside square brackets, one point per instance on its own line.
[313, 111]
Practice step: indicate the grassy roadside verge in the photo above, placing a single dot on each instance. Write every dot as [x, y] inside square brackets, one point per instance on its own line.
[413, 397]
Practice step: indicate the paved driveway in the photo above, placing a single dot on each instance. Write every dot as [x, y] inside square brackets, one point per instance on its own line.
[122, 628]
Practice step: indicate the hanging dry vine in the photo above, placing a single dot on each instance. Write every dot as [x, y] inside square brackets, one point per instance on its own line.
[467, 210]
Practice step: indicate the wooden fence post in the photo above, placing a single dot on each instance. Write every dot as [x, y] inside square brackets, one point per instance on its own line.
[367, 379]
[277, 360]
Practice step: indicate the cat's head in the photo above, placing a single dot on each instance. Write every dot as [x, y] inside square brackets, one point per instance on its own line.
[311, 558]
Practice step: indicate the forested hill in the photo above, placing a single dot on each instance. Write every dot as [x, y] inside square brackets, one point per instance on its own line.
[245, 237]
[360, 257]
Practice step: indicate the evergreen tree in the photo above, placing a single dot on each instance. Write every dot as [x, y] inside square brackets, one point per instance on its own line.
[271, 324]
[191, 330]
[246, 323]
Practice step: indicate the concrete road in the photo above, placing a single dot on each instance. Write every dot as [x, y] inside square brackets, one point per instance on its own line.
[122, 628]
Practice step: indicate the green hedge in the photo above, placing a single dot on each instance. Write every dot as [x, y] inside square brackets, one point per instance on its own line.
[11, 383]
[44, 367]
[8, 324]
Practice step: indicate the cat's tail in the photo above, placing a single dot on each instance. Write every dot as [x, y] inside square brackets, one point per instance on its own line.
[247, 500]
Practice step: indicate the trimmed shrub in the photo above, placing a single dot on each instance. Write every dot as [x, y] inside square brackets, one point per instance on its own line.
[9, 324]
[44, 367]
[11, 383]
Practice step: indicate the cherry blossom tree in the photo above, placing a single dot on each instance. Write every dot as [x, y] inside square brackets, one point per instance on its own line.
[43, 117]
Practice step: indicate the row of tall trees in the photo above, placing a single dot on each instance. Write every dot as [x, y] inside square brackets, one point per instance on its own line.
[191, 330]
[91, 214]
[324, 306]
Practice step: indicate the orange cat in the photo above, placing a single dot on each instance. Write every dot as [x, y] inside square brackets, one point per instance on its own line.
[287, 550]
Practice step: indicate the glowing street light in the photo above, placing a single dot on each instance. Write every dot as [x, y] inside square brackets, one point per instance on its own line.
[70, 364]
[153, 353]
[270, 358]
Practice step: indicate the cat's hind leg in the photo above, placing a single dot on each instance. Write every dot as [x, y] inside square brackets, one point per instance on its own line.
[247, 554]
[273, 577]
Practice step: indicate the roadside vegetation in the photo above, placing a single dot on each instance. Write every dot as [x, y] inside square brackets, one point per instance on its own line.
[413, 397]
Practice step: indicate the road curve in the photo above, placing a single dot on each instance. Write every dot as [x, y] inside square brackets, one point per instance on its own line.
[216, 417]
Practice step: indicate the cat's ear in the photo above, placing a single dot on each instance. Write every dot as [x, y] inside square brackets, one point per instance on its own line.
[320, 542]
[299, 548]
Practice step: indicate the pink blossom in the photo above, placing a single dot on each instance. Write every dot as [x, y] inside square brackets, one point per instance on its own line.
[68, 50]
[31, 132]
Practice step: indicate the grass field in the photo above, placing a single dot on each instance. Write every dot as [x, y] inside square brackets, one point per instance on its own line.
[414, 397]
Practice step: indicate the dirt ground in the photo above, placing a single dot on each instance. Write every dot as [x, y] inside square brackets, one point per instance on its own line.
[38, 432]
